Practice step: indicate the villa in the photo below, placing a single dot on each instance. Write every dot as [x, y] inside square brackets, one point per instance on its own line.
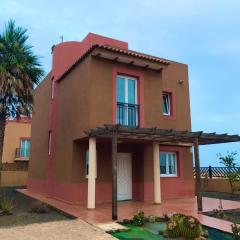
[112, 124]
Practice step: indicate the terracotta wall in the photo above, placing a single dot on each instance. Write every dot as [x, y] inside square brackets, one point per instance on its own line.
[142, 172]
[40, 128]
[85, 100]
[154, 83]
[73, 113]
[14, 131]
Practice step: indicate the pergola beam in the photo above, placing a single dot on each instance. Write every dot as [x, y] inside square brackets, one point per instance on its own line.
[114, 176]
[158, 136]
[198, 176]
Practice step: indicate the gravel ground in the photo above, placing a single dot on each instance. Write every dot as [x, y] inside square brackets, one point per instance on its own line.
[61, 230]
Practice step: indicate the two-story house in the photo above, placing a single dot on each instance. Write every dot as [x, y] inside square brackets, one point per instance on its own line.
[100, 85]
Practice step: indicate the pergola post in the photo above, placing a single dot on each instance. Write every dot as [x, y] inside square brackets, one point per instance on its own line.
[156, 174]
[198, 176]
[114, 176]
[91, 173]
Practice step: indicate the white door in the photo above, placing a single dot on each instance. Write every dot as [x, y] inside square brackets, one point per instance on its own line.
[124, 176]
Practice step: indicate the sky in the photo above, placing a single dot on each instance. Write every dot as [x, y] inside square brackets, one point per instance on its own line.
[203, 34]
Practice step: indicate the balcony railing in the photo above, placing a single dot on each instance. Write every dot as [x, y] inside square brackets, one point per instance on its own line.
[22, 153]
[128, 114]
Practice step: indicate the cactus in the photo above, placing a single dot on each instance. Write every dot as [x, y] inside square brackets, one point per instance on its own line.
[187, 227]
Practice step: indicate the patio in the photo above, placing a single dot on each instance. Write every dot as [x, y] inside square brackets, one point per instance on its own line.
[126, 209]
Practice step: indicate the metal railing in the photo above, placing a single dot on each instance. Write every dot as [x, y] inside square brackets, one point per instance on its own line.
[22, 153]
[128, 114]
[216, 172]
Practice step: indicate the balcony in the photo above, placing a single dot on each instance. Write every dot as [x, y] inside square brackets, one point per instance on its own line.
[22, 154]
[128, 114]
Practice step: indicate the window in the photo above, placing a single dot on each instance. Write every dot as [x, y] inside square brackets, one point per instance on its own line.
[52, 88]
[127, 108]
[168, 164]
[25, 148]
[87, 164]
[49, 142]
[167, 97]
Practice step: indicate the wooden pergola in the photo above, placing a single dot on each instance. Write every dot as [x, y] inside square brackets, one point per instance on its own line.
[116, 132]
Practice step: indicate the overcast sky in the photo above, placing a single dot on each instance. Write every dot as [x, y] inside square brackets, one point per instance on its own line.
[204, 34]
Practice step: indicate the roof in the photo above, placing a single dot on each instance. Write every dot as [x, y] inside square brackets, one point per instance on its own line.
[121, 51]
[163, 136]
[134, 54]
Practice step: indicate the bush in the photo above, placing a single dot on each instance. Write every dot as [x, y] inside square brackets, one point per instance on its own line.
[139, 219]
[235, 231]
[39, 208]
[6, 205]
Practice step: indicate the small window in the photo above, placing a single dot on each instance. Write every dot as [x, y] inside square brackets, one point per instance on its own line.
[167, 104]
[25, 148]
[52, 88]
[87, 165]
[49, 142]
[168, 164]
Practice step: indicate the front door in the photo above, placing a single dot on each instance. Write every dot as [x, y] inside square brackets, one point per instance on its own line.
[124, 176]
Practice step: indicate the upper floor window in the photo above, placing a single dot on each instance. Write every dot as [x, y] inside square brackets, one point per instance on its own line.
[167, 99]
[49, 142]
[52, 88]
[25, 148]
[127, 99]
[168, 164]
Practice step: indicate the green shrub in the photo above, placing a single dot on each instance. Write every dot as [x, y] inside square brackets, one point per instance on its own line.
[39, 208]
[139, 219]
[6, 206]
[236, 231]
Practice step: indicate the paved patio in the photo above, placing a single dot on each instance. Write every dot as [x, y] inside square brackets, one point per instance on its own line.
[103, 211]
[59, 230]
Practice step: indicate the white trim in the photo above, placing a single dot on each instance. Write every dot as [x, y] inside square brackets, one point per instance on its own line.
[52, 88]
[126, 78]
[169, 103]
[49, 142]
[87, 153]
[167, 165]
[121, 197]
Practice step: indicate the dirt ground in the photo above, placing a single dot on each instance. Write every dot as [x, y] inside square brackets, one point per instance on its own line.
[60, 230]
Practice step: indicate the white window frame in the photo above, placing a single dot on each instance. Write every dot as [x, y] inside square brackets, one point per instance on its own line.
[52, 88]
[167, 165]
[49, 142]
[87, 160]
[25, 149]
[126, 78]
[169, 103]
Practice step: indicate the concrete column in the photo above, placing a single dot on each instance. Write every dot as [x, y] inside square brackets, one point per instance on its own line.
[91, 173]
[156, 174]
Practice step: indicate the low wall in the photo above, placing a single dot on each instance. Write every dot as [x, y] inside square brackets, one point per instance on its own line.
[13, 178]
[215, 185]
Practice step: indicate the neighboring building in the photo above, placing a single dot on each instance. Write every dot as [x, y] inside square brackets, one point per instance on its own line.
[16, 152]
[96, 82]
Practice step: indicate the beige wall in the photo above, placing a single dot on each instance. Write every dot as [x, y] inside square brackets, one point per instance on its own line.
[14, 131]
[13, 178]
[216, 185]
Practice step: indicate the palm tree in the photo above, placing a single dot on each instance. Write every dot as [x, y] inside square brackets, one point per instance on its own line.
[20, 72]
